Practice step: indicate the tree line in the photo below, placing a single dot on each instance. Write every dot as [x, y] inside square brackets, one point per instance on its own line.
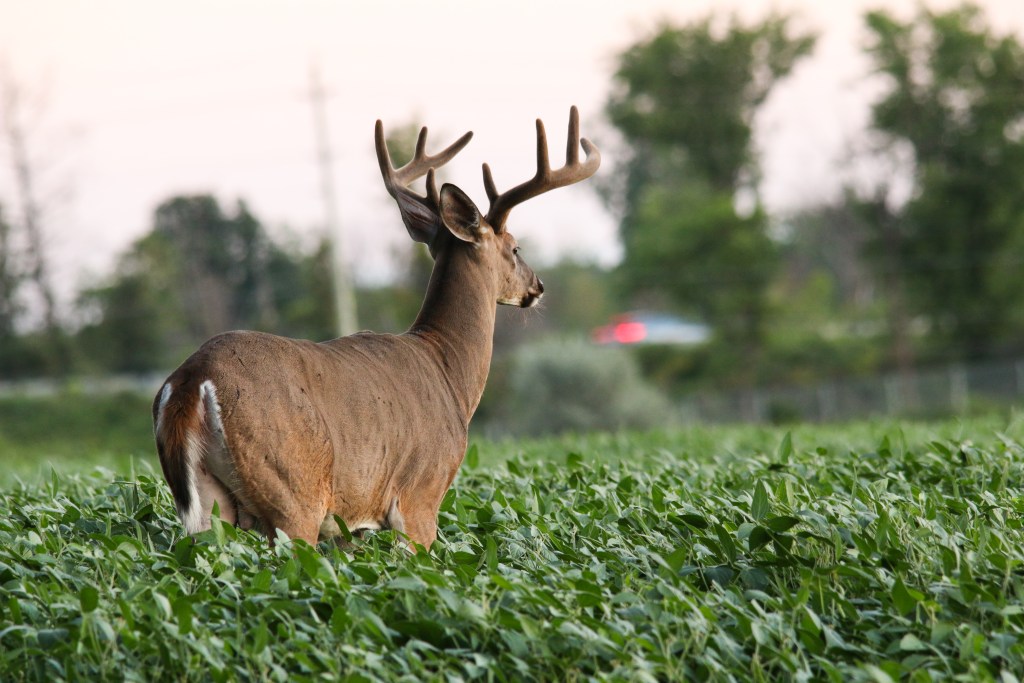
[866, 283]
[869, 282]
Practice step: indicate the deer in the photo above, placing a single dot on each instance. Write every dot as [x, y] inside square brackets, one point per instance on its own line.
[289, 435]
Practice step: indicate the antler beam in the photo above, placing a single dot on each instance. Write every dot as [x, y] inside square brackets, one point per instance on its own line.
[398, 180]
[545, 179]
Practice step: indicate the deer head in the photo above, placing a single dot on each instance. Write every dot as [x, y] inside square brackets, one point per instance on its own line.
[448, 219]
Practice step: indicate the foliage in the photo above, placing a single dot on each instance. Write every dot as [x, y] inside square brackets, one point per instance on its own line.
[10, 279]
[303, 292]
[198, 272]
[684, 101]
[557, 385]
[823, 247]
[693, 249]
[741, 556]
[28, 354]
[954, 97]
[695, 90]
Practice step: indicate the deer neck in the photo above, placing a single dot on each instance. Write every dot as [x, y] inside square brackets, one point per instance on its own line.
[457, 320]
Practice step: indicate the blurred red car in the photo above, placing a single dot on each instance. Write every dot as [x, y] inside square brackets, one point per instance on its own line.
[643, 327]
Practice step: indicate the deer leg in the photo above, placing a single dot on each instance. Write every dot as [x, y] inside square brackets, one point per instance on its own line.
[306, 528]
[419, 524]
[421, 528]
[211, 491]
[291, 499]
[416, 515]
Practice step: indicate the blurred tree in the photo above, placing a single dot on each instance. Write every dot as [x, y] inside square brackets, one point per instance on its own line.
[17, 358]
[20, 113]
[684, 101]
[883, 252]
[956, 96]
[688, 95]
[197, 273]
[689, 244]
[828, 293]
[9, 280]
[302, 291]
[220, 261]
[829, 241]
[135, 326]
[826, 312]
[577, 296]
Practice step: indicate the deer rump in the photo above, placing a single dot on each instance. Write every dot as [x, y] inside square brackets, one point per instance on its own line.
[228, 433]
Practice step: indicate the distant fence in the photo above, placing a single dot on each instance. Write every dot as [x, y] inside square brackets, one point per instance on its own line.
[110, 384]
[952, 390]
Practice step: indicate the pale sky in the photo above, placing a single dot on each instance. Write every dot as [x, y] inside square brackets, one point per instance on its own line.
[148, 99]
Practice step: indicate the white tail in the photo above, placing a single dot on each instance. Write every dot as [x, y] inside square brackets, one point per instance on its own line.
[285, 433]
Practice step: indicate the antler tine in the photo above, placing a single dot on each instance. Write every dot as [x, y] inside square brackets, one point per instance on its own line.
[572, 149]
[432, 194]
[421, 144]
[545, 178]
[383, 157]
[543, 165]
[396, 180]
[419, 213]
[492, 191]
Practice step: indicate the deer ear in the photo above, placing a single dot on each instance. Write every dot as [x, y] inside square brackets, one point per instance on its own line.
[419, 220]
[460, 215]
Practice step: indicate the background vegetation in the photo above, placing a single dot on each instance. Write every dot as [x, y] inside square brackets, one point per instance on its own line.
[874, 282]
[874, 551]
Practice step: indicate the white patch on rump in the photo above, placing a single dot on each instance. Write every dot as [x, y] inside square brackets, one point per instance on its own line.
[394, 518]
[216, 472]
[192, 516]
[203, 461]
[189, 516]
[165, 396]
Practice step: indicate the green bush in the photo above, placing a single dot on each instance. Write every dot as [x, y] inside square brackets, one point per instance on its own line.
[560, 385]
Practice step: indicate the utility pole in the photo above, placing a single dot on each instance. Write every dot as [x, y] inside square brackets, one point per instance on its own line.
[344, 296]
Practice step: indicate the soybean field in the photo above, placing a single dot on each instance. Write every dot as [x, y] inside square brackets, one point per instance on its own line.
[865, 552]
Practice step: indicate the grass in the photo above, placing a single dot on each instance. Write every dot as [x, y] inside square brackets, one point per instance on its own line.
[862, 552]
[73, 433]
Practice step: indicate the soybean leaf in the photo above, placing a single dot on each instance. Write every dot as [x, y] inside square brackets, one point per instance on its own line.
[88, 598]
[759, 506]
[904, 599]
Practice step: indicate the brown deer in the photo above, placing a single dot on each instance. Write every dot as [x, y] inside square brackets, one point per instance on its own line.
[285, 433]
